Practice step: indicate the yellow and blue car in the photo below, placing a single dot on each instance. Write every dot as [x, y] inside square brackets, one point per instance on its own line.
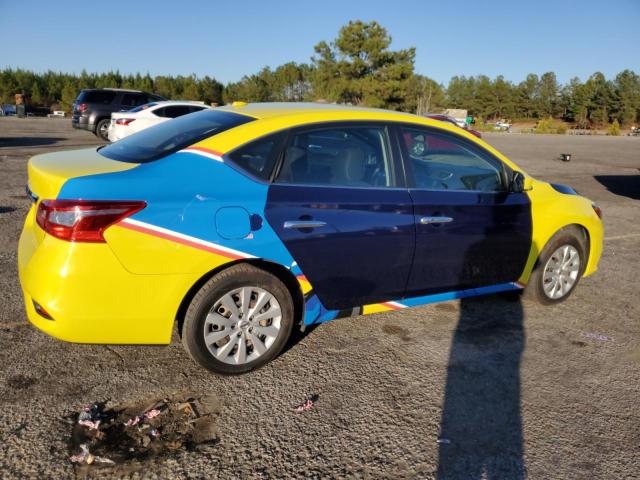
[240, 222]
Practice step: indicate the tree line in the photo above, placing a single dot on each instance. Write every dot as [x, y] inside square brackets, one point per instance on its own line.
[359, 68]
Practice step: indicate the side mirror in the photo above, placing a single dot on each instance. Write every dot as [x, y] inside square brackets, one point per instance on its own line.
[520, 183]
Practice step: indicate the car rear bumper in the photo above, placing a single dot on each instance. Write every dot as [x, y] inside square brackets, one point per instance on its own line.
[90, 296]
[116, 132]
[82, 123]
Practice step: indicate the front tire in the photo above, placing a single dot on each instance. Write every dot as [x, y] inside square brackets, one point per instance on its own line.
[238, 321]
[559, 267]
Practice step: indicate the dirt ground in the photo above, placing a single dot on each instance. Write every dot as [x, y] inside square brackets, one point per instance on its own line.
[484, 388]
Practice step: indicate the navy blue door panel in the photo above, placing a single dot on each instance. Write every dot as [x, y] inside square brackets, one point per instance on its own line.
[486, 242]
[363, 252]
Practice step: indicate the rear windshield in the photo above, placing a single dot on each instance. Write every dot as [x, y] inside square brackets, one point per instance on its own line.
[143, 107]
[168, 137]
[97, 96]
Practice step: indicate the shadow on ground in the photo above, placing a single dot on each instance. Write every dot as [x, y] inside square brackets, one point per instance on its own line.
[481, 426]
[623, 185]
[29, 141]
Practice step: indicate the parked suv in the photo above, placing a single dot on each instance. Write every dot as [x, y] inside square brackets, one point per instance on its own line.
[93, 107]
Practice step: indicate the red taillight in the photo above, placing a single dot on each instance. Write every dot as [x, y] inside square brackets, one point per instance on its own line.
[83, 220]
[82, 107]
[125, 121]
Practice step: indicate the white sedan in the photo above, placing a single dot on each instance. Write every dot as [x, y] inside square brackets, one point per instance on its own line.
[502, 126]
[124, 124]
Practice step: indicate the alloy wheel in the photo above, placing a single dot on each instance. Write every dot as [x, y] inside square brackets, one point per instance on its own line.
[242, 325]
[561, 272]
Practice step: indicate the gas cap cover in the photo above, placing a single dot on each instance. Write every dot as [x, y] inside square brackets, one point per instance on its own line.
[233, 223]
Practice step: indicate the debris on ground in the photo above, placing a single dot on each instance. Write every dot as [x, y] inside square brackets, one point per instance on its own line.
[307, 404]
[597, 336]
[128, 434]
[86, 457]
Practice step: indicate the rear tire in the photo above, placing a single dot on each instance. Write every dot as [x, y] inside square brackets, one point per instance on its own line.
[102, 129]
[559, 267]
[238, 321]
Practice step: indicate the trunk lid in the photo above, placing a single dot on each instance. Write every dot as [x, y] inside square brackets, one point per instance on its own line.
[48, 172]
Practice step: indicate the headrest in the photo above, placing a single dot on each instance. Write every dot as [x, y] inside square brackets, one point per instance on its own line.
[352, 165]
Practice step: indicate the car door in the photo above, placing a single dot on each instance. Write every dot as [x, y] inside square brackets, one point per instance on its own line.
[338, 207]
[471, 231]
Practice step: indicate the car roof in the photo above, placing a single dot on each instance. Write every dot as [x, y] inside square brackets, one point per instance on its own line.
[275, 117]
[164, 103]
[286, 109]
[128, 90]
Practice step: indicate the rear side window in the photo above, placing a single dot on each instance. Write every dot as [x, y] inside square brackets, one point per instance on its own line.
[259, 157]
[169, 137]
[133, 100]
[345, 156]
[98, 96]
[176, 111]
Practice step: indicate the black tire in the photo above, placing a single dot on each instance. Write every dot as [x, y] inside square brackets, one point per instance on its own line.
[193, 328]
[102, 129]
[571, 235]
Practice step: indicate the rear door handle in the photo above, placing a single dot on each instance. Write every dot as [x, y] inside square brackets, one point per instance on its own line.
[430, 220]
[289, 224]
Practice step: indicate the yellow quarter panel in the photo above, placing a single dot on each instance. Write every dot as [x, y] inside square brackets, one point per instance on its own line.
[101, 302]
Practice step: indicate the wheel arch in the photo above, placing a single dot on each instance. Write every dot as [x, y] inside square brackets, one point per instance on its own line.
[581, 232]
[277, 270]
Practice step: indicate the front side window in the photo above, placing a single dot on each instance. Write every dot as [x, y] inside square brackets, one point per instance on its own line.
[444, 162]
[352, 156]
[168, 137]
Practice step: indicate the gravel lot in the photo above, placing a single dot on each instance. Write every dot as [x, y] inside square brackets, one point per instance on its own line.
[510, 388]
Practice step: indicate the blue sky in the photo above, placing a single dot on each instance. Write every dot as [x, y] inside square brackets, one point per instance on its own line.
[228, 39]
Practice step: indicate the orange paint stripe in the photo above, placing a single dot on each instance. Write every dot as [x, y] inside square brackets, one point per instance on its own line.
[205, 150]
[183, 241]
[391, 306]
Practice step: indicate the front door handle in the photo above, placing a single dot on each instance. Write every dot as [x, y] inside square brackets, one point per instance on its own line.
[430, 220]
[289, 224]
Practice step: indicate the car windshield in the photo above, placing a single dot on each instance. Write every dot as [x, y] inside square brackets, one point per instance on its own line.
[168, 137]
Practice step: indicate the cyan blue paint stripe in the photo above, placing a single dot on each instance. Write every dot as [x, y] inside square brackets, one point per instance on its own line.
[316, 314]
